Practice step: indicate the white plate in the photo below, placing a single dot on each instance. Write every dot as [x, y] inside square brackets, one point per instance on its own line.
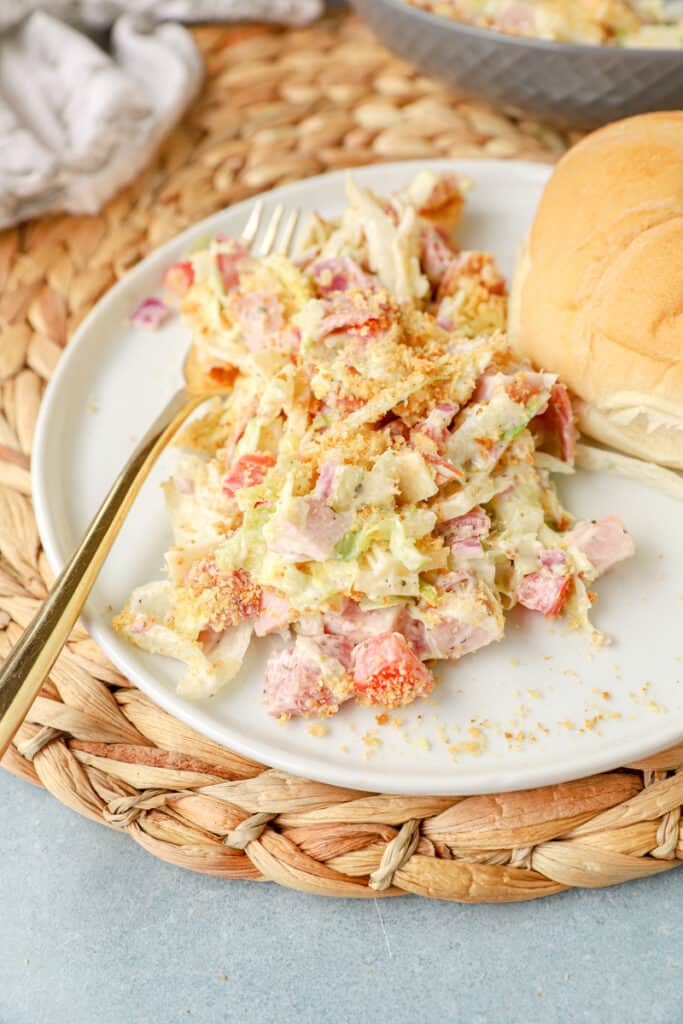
[540, 690]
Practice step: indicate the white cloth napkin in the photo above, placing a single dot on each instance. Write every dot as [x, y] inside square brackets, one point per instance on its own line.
[78, 121]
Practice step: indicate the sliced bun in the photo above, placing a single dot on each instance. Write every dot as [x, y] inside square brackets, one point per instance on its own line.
[598, 292]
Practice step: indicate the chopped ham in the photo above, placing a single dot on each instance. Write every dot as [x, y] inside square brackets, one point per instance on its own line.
[454, 638]
[471, 548]
[558, 422]
[386, 671]
[451, 581]
[552, 557]
[436, 253]
[437, 423]
[339, 275]
[338, 647]
[358, 625]
[260, 317]
[275, 615]
[445, 471]
[474, 525]
[325, 482]
[315, 538]
[415, 633]
[356, 312]
[468, 619]
[296, 684]
[471, 264]
[486, 386]
[604, 542]
[544, 591]
[248, 471]
[397, 428]
[179, 277]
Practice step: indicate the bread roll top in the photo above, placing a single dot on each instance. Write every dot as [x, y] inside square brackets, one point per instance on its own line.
[598, 293]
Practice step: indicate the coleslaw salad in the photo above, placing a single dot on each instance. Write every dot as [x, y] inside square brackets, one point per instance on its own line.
[649, 24]
[377, 487]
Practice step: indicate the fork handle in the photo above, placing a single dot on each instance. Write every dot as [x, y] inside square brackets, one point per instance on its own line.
[28, 664]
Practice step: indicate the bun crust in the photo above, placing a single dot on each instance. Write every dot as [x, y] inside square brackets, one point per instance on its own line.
[598, 293]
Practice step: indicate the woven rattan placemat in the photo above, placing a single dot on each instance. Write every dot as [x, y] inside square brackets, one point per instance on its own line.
[276, 106]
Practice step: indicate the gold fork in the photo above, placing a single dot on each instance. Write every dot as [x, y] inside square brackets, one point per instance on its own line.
[30, 661]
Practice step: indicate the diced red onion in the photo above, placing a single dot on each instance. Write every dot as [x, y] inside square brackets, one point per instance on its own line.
[150, 314]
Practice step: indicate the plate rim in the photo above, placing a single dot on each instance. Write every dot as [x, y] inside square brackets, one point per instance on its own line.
[351, 776]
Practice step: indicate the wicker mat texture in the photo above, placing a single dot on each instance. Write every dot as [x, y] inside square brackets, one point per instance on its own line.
[276, 106]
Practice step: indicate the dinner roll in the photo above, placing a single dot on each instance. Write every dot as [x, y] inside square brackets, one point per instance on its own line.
[598, 291]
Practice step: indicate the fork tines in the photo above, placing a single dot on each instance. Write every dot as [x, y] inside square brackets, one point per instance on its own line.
[270, 235]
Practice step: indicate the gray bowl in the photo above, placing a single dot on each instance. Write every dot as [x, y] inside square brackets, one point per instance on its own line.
[576, 85]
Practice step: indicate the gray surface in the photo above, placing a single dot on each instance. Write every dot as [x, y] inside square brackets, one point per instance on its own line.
[93, 928]
[573, 84]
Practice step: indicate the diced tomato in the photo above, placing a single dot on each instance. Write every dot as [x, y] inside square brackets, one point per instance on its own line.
[544, 591]
[386, 671]
[248, 471]
[179, 277]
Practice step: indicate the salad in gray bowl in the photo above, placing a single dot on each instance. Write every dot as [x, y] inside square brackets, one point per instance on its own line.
[577, 84]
